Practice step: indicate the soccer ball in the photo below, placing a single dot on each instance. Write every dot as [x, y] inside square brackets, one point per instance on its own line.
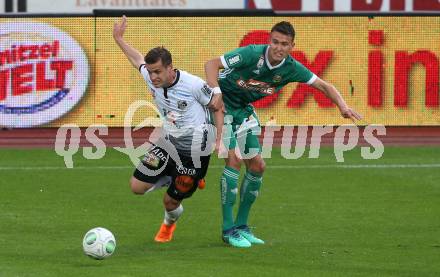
[99, 243]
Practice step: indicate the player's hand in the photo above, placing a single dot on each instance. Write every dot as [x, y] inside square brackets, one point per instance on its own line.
[350, 113]
[220, 149]
[218, 145]
[216, 103]
[119, 28]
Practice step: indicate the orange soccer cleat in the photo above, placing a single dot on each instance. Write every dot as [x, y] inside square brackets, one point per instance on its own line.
[165, 233]
[202, 184]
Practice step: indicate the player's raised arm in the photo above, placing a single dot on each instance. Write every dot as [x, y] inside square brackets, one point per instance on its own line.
[330, 91]
[132, 54]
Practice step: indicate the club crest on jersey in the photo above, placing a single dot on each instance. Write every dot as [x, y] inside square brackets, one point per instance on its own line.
[277, 78]
[182, 104]
[234, 59]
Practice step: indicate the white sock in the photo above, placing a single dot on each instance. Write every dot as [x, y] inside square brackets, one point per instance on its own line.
[173, 216]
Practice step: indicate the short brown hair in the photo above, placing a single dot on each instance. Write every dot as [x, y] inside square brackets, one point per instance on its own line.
[284, 28]
[159, 53]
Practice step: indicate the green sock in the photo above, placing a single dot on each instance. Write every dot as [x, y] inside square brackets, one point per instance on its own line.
[228, 190]
[249, 190]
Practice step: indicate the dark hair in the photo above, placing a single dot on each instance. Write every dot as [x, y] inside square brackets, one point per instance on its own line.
[284, 28]
[159, 53]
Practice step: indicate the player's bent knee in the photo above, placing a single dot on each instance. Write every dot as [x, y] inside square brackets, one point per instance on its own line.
[138, 187]
[258, 166]
[262, 166]
[170, 206]
[233, 164]
[233, 161]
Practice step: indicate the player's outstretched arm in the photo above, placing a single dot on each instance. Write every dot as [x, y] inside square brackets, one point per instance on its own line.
[330, 91]
[132, 54]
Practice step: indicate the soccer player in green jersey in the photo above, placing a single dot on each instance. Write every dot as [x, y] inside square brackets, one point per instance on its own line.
[251, 73]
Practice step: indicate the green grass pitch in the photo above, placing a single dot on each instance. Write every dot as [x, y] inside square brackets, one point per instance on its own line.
[381, 218]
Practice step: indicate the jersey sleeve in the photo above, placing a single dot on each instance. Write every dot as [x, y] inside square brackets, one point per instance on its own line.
[237, 58]
[202, 92]
[144, 72]
[302, 74]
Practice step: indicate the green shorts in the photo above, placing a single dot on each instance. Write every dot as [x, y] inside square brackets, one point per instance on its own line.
[242, 130]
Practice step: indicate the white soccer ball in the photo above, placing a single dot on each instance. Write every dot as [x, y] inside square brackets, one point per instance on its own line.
[99, 243]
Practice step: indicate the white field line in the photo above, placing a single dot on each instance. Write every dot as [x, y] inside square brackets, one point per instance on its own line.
[316, 166]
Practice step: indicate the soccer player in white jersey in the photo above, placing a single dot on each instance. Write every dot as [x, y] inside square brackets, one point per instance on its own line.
[183, 101]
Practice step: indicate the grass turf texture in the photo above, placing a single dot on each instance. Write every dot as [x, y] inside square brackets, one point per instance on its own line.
[316, 221]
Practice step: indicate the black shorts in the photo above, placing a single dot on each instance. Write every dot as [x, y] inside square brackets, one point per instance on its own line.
[185, 178]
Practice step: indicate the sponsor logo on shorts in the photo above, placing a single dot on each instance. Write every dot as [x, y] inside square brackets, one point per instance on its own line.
[186, 171]
[158, 154]
[184, 183]
[151, 160]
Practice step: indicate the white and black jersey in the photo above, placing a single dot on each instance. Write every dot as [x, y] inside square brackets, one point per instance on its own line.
[187, 122]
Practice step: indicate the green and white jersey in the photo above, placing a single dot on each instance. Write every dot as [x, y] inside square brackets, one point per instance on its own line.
[248, 75]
